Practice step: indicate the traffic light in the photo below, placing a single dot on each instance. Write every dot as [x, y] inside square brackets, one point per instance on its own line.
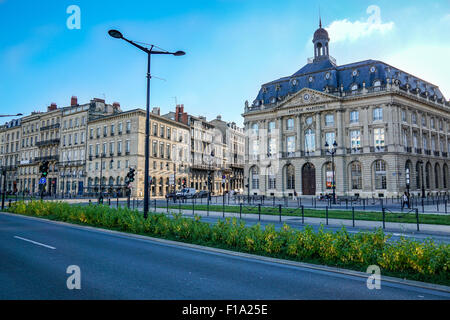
[184, 182]
[130, 175]
[43, 169]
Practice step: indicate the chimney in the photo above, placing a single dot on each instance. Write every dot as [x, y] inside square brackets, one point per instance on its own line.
[73, 101]
[116, 105]
[219, 117]
[156, 111]
[52, 107]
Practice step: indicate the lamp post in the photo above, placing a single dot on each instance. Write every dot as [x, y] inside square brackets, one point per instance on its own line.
[332, 151]
[116, 34]
[209, 175]
[422, 181]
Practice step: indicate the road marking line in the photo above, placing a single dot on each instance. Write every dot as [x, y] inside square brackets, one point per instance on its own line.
[38, 243]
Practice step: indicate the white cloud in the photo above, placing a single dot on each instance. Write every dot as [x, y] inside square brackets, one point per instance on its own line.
[416, 60]
[345, 30]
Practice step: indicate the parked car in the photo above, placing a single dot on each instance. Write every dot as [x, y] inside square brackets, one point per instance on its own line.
[186, 193]
[201, 194]
[171, 195]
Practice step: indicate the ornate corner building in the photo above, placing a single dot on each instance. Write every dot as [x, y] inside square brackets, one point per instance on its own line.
[390, 131]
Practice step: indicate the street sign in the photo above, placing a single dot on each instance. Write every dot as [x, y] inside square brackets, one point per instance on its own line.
[42, 181]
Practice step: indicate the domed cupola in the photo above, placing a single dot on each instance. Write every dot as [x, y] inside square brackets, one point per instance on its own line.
[320, 41]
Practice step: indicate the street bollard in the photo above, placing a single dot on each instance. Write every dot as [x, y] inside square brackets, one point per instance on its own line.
[89, 201]
[353, 216]
[179, 206]
[10, 202]
[155, 206]
[240, 210]
[326, 212]
[417, 218]
[117, 202]
[207, 208]
[303, 215]
[109, 202]
[423, 208]
[167, 205]
[384, 212]
[223, 210]
[279, 211]
[445, 204]
[259, 212]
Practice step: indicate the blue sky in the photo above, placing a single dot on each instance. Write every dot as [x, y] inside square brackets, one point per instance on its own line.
[232, 46]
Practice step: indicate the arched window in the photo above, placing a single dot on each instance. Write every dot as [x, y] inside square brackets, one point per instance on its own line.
[290, 177]
[437, 173]
[310, 140]
[428, 176]
[356, 176]
[254, 172]
[380, 174]
[445, 175]
[418, 175]
[328, 175]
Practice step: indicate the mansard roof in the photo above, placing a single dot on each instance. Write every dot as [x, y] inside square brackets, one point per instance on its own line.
[325, 74]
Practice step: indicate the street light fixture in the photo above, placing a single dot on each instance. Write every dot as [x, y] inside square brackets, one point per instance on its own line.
[118, 35]
[11, 115]
[332, 151]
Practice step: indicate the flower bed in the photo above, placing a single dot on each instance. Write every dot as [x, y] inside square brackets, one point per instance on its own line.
[423, 261]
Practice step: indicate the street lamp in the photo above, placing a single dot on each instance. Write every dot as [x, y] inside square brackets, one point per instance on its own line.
[118, 35]
[209, 175]
[11, 115]
[332, 151]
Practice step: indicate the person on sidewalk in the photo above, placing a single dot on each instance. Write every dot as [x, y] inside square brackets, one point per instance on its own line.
[405, 200]
[295, 195]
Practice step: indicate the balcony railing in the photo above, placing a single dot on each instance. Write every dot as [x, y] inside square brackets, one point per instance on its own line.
[436, 153]
[47, 142]
[50, 127]
[428, 152]
[418, 150]
[444, 154]
[379, 149]
[47, 158]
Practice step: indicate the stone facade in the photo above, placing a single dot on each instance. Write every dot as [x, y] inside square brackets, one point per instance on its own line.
[387, 124]
[116, 143]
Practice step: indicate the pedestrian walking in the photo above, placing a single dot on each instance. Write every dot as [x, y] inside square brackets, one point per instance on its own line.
[405, 200]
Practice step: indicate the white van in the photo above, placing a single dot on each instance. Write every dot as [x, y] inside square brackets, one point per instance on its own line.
[186, 193]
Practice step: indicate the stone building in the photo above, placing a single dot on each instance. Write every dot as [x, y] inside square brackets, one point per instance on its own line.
[392, 131]
[74, 132]
[29, 155]
[216, 151]
[10, 134]
[116, 143]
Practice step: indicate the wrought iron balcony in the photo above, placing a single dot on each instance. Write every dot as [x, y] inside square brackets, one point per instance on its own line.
[48, 142]
[50, 127]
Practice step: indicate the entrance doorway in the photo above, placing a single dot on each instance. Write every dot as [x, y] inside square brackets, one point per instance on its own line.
[308, 179]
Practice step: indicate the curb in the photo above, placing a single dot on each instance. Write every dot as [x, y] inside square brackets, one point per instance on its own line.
[418, 284]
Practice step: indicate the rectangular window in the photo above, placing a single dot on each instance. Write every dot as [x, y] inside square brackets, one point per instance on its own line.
[354, 117]
[128, 126]
[111, 147]
[413, 118]
[161, 131]
[329, 119]
[290, 145]
[127, 146]
[120, 128]
[290, 124]
[119, 147]
[403, 115]
[82, 137]
[378, 134]
[330, 137]
[377, 114]
[155, 149]
[271, 126]
[104, 148]
[112, 129]
[271, 146]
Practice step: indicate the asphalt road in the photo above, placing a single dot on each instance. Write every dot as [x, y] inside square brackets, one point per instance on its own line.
[35, 254]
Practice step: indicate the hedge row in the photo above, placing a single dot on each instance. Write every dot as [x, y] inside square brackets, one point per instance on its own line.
[424, 261]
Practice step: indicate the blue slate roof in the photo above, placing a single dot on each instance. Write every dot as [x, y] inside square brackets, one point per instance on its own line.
[278, 90]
